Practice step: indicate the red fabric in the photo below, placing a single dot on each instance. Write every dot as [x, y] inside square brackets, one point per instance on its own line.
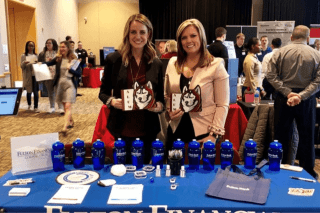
[101, 132]
[315, 33]
[235, 125]
[91, 77]
[169, 55]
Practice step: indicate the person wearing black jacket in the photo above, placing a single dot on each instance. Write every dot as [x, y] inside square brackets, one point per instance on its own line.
[136, 61]
[241, 52]
[217, 49]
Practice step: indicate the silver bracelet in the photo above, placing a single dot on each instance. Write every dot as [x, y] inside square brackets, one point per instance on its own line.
[108, 103]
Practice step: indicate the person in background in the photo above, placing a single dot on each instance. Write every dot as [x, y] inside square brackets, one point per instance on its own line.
[172, 50]
[64, 82]
[68, 38]
[83, 55]
[294, 72]
[241, 52]
[217, 48]
[29, 81]
[196, 69]
[275, 45]
[77, 79]
[252, 68]
[49, 52]
[162, 48]
[317, 44]
[72, 48]
[265, 49]
[136, 61]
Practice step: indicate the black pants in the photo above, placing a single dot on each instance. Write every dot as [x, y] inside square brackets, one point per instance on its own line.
[147, 142]
[268, 88]
[305, 115]
[35, 90]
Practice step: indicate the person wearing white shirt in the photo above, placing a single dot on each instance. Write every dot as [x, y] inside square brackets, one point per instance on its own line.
[317, 44]
[275, 45]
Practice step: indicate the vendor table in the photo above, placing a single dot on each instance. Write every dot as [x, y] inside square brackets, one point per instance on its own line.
[91, 77]
[188, 197]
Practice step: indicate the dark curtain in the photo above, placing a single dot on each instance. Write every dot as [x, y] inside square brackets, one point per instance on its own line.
[303, 12]
[167, 15]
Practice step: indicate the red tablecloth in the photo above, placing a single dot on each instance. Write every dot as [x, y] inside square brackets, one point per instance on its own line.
[91, 77]
[235, 126]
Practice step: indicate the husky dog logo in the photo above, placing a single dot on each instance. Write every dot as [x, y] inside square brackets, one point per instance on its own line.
[191, 99]
[143, 95]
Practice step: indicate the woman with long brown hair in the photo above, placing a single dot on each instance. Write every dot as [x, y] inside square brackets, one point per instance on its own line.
[64, 81]
[136, 61]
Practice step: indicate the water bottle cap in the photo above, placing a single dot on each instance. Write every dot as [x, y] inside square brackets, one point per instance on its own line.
[98, 144]
[157, 144]
[182, 168]
[58, 145]
[194, 144]
[78, 143]
[98, 140]
[158, 166]
[168, 166]
[178, 139]
[275, 145]
[137, 143]
[209, 145]
[119, 143]
[178, 144]
[250, 144]
[157, 139]
[226, 145]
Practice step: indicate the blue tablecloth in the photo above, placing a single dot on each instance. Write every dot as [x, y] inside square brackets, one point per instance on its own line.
[189, 195]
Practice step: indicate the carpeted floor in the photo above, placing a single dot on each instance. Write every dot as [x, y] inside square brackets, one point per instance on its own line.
[85, 114]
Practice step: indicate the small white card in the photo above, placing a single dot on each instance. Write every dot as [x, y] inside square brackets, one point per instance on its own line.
[301, 192]
[70, 194]
[175, 101]
[19, 192]
[31, 58]
[290, 167]
[127, 97]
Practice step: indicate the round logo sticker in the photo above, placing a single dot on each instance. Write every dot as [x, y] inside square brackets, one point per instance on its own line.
[79, 177]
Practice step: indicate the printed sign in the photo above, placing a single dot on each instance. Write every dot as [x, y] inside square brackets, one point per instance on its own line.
[32, 153]
[231, 50]
[107, 50]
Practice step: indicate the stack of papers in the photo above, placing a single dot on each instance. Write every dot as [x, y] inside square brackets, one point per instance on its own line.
[70, 194]
[19, 191]
[126, 194]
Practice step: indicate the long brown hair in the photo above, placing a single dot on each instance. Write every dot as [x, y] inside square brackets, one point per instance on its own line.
[205, 57]
[70, 54]
[125, 47]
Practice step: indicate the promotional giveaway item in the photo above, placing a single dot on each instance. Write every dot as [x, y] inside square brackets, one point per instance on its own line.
[209, 155]
[175, 161]
[238, 186]
[19, 192]
[18, 182]
[107, 182]
[188, 101]
[250, 154]
[301, 192]
[77, 177]
[194, 154]
[158, 171]
[226, 154]
[78, 153]
[137, 153]
[275, 156]
[58, 156]
[98, 153]
[119, 152]
[157, 153]
[179, 145]
[118, 170]
[32, 153]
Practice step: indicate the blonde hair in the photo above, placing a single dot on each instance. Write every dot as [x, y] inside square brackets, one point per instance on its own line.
[171, 46]
[125, 47]
[205, 57]
[240, 34]
[70, 54]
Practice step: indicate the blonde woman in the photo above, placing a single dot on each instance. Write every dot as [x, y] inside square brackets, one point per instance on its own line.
[64, 81]
[317, 44]
[195, 67]
[172, 49]
[136, 61]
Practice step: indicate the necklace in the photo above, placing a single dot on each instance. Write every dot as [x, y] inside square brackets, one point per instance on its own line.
[135, 79]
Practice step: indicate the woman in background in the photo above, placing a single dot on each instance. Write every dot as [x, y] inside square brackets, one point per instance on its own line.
[64, 81]
[171, 49]
[317, 44]
[136, 61]
[197, 70]
[29, 81]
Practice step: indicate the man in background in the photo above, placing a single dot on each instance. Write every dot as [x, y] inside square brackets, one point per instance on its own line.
[268, 88]
[241, 52]
[162, 48]
[294, 72]
[265, 49]
[83, 55]
[68, 38]
[217, 49]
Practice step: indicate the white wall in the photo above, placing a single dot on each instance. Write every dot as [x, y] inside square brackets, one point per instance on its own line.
[3, 39]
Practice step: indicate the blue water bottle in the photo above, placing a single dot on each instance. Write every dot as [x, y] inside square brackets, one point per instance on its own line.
[209, 155]
[250, 154]
[226, 154]
[78, 153]
[194, 154]
[98, 153]
[157, 153]
[179, 145]
[58, 156]
[137, 153]
[119, 152]
[275, 156]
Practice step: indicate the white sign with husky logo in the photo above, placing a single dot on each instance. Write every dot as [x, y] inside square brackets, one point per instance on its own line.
[32, 153]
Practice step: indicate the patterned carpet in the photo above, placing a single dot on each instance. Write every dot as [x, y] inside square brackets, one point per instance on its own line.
[85, 114]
